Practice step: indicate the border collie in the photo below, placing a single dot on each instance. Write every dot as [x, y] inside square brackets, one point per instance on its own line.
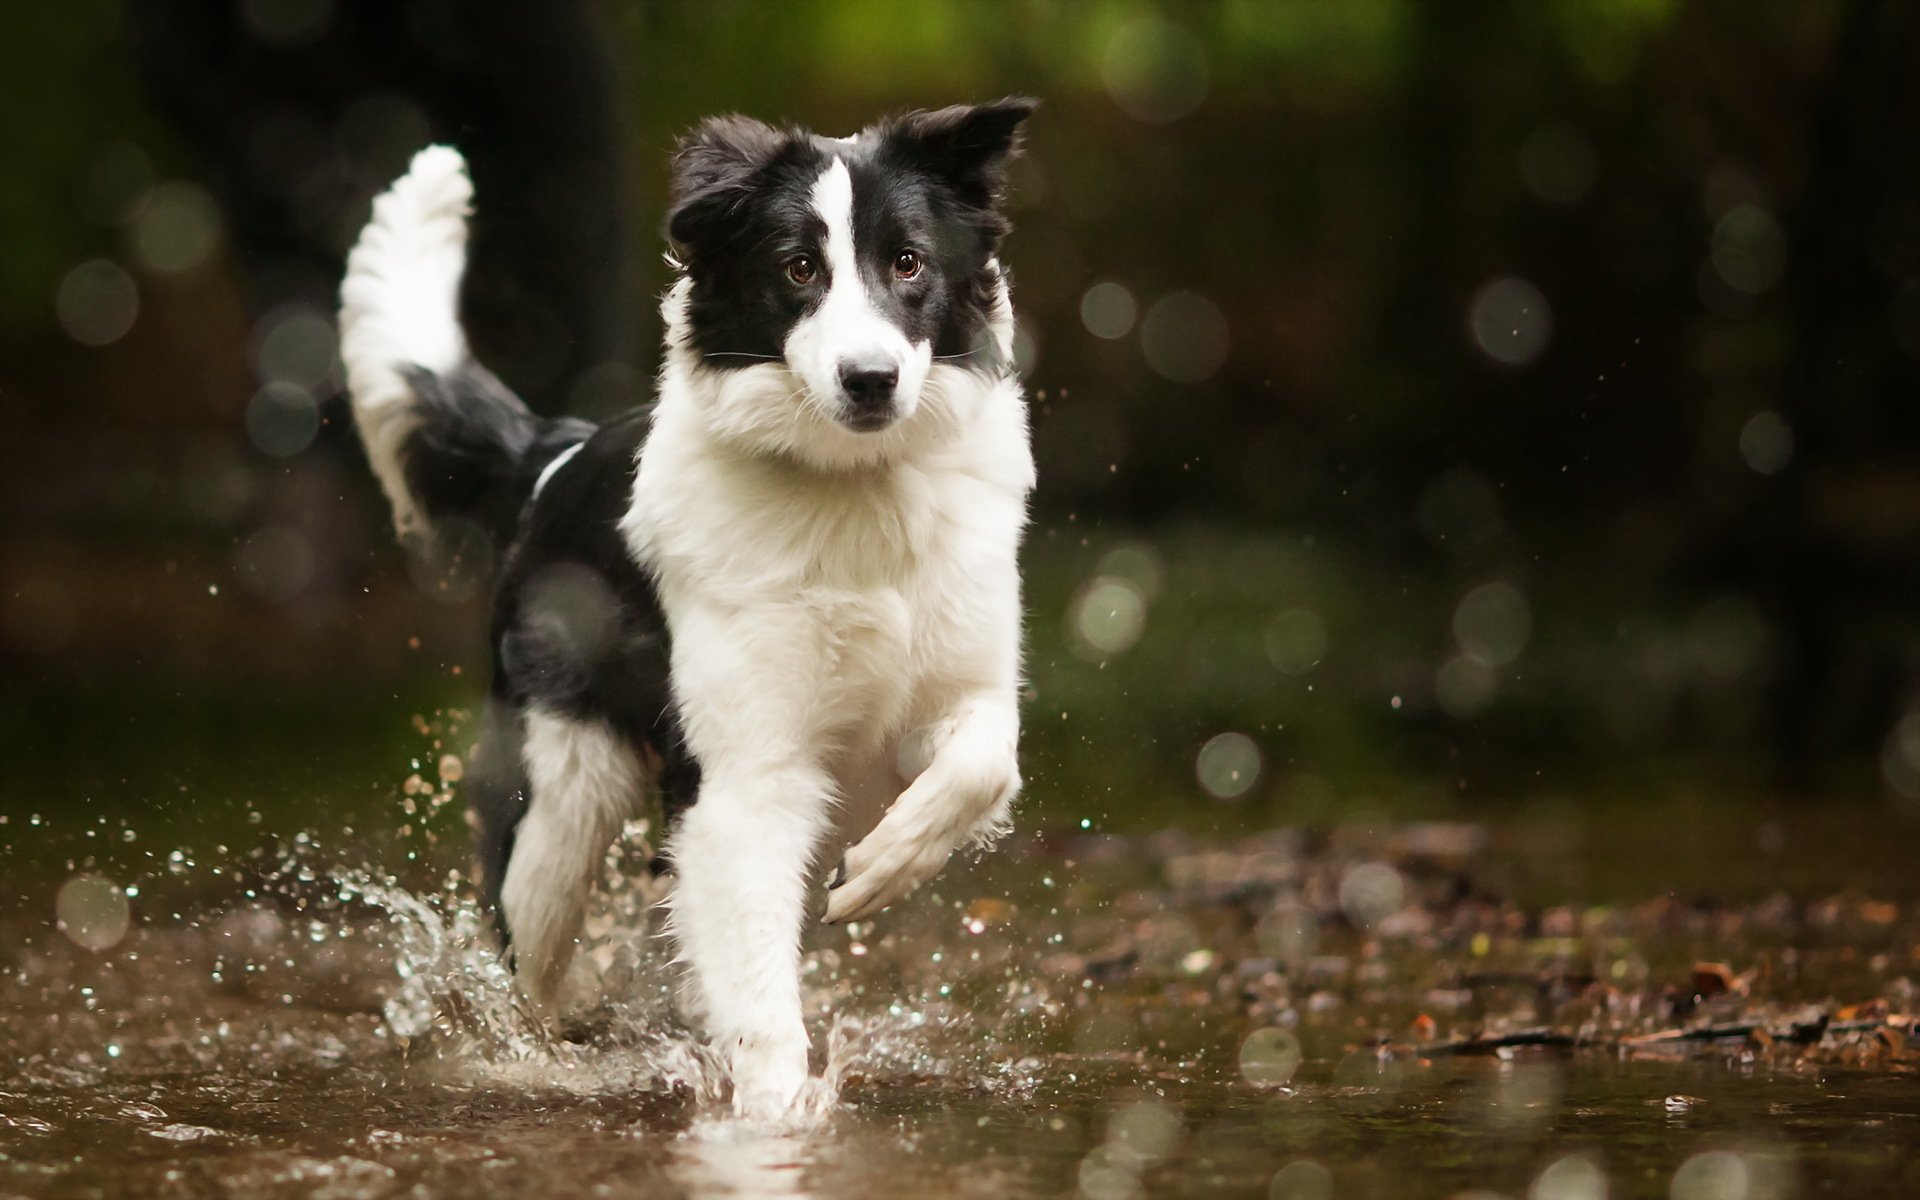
[785, 594]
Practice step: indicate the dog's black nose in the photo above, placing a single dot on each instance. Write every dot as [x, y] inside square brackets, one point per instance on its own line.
[868, 386]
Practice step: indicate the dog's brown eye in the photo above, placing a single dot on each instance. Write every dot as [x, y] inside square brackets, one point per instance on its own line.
[801, 270]
[906, 264]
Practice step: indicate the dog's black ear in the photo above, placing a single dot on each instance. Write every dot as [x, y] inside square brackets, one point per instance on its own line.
[713, 169]
[967, 145]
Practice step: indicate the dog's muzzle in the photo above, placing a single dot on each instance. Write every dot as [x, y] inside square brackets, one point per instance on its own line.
[868, 392]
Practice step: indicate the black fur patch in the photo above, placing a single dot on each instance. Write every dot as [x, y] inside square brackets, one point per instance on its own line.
[931, 182]
[578, 630]
[478, 449]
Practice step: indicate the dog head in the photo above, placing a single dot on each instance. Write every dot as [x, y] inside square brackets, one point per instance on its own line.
[832, 286]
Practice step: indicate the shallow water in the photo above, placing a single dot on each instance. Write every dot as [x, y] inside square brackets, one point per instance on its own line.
[1272, 1015]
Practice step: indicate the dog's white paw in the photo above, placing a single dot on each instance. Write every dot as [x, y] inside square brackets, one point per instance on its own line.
[897, 857]
[769, 1078]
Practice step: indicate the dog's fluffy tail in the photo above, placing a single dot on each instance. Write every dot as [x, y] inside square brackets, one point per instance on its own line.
[447, 440]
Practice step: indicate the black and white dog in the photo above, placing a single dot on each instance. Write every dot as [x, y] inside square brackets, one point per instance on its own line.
[785, 594]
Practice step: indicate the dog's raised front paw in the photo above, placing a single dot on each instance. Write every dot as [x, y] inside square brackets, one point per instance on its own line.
[894, 859]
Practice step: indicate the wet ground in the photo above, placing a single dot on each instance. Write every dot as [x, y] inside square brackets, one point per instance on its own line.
[1414, 1010]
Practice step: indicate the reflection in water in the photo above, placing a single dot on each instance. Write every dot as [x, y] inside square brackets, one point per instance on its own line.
[719, 1157]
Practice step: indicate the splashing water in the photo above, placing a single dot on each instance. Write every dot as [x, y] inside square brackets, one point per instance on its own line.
[1077, 1014]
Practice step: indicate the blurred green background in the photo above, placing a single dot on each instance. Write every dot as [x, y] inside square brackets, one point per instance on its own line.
[1441, 408]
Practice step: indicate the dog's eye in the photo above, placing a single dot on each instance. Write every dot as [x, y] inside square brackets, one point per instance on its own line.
[801, 270]
[906, 264]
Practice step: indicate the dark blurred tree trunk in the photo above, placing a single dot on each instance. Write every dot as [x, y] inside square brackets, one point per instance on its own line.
[1840, 370]
[289, 136]
[1416, 426]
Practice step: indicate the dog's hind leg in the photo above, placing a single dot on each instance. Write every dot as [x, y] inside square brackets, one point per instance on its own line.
[496, 794]
[584, 781]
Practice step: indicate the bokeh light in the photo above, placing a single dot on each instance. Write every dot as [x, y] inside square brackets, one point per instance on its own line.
[175, 227]
[1493, 622]
[1510, 321]
[1302, 1179]
[1026, 347]
[1370, 893]
[1108, 310]
[96, 303]
[275, 563]
[1749, 249]
[1228, 765]
[1184, 337]
[1138, 563]
[1557, 162]
[1724, 1174]
[1102, 1178]
[1143, 1132]
[1296, 641]
[287, 24]
[282, 419]
[1269, 1057]
[93, 911]
[1464, 686]
[1575, 1177]
[1107, 616]
[295, 344]
[1766, 442]
[1900, 757]
[1155, 70]
[1288, 932]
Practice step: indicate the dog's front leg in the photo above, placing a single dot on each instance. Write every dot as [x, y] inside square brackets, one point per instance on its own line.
[969, 782]
[742, 857]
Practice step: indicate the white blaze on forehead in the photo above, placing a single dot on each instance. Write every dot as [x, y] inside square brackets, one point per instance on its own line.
[848, 328]
[833, 202]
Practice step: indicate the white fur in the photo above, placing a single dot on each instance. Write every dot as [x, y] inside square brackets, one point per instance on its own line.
[399, 307]
[584, 781]
[840, 603]
[553, 468]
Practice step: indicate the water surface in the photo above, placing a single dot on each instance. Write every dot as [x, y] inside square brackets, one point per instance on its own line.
[1279, 1014]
